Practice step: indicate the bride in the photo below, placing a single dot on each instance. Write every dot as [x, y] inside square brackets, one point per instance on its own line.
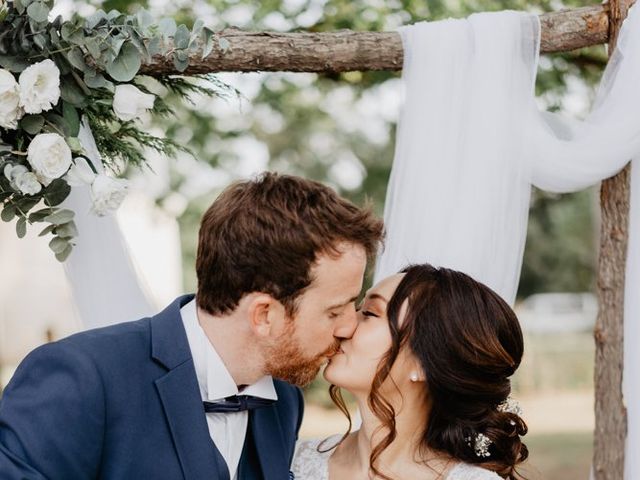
[429, 367]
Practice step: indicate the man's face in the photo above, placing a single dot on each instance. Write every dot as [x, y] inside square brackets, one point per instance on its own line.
[326, 314]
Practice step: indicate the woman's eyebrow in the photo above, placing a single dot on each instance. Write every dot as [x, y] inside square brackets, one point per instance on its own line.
[374, 296]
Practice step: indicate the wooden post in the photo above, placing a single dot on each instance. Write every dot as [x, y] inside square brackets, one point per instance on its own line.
[611, 415]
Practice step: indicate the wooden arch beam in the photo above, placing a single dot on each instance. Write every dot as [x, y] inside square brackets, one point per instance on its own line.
[346, 50]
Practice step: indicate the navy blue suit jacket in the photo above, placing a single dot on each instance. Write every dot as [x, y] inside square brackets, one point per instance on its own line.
[123, 402]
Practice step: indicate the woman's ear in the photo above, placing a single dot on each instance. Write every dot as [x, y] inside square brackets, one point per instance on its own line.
[416, 374]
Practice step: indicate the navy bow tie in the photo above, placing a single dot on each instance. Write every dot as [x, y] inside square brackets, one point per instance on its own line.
[237, 403]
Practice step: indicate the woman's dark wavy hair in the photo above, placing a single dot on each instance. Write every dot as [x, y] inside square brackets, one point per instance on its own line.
[468, 342]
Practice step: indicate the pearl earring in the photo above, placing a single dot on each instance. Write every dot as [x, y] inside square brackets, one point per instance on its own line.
[414, 377]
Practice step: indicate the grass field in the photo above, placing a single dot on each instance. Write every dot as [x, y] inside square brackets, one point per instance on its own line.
[559, 456]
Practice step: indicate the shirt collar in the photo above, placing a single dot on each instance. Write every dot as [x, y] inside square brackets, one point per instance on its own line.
[214, 379]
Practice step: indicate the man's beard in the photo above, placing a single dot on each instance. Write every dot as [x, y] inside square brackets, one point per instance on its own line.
[286, 360]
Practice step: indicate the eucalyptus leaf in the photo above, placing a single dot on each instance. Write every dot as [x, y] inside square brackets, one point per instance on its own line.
[60, 124]
[20, 6]
[198, 25]
[181, 37]
[116, 45]
[47, 230]
[142, 48]
[76, 58]
[114, 15]
[59, 217]
[71, 117]
[8, 213]
[13, 63]
[93, 47]
[58, 244]
[68, 230]
[180, 65]
[167, 27]
[208, 42]
[39, 215]
[40, 40]
[56, 192]
[39, 11]
[96, 80]
[26, 203]
[145, 19]
[21, 227]
[94, 20]
[154, 46]
[126, 64]
[62, 256]
[183, 55]
[72, 93]
[32, 124]
[74, 144]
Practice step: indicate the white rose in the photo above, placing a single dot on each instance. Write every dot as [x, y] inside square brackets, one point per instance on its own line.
[130, 102]
[39, 87]
[80, 173]
[28, 183]
[10, 111]
[107, 194]
[49, 156]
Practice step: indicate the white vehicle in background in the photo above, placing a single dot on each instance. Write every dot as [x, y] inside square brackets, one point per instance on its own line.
[558, 312]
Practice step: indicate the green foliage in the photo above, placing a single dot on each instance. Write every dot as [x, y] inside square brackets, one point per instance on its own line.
[93, 56]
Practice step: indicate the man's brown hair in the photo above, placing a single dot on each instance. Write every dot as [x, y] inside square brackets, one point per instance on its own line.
[264, 235]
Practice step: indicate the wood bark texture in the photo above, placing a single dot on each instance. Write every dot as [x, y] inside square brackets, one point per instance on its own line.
[346, 50]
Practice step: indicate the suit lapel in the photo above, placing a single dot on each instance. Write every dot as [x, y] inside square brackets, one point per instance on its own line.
[269, 443]
[199, 458]
[180, 396]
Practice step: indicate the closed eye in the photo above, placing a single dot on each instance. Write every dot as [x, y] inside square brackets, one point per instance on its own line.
[367, 313]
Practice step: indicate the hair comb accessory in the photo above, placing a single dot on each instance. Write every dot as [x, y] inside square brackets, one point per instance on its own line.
[481, 444]
[510, 406]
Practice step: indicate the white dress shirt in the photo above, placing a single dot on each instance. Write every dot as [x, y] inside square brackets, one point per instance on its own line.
[227, 430]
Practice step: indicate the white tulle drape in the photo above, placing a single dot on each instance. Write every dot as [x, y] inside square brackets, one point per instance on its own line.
[105, 286]
[471, 142]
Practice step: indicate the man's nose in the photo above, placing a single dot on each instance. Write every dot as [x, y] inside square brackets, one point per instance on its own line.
[347, 324]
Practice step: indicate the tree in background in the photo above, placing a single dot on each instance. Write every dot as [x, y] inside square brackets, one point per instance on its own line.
[339, 128]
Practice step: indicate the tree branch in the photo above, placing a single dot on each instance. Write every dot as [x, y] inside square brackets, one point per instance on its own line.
[346, 50]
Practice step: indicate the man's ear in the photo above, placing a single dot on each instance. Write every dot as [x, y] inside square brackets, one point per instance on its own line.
[266, 314]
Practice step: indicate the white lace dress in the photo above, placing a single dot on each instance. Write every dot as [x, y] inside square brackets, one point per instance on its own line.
[309, 464]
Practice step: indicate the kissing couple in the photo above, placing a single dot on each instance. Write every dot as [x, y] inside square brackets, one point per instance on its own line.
[209, 389]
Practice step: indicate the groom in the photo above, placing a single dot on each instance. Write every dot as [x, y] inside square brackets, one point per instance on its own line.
[203, 389]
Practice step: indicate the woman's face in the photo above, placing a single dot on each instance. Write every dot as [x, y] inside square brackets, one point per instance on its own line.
[355, 366]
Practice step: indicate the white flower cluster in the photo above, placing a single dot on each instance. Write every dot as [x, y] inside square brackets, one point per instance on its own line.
[38, 90]
[107, 193]
[481, 444]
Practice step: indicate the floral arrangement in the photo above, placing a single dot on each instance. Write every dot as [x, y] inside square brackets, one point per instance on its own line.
[57, 77]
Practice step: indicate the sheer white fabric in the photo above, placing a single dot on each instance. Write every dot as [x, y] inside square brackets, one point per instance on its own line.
[106, 288]
[309, 464]
[471, 142]
[458, 194]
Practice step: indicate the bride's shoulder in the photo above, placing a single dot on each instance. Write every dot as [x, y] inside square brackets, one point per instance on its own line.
[316, 447]
[311, 457]
[464, 471]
